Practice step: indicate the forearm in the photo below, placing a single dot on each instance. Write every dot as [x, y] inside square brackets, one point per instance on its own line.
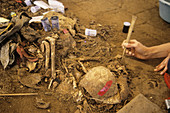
[159, 51]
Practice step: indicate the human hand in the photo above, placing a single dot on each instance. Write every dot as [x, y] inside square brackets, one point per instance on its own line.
[163, 65]
[136, 49]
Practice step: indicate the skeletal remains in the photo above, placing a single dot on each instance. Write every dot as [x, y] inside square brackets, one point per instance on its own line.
[102, 85]
[52, 45]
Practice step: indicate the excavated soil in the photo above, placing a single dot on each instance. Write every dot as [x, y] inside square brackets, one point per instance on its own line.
[150, 29]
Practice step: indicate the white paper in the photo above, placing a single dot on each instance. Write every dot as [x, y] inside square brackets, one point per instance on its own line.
[90, 32]
[41, 4]
[3, 20]
[56, 5]
[36, 19]
[48, 12]
[5, 55]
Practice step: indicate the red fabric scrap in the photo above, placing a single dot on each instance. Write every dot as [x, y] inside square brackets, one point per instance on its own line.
[167, 79]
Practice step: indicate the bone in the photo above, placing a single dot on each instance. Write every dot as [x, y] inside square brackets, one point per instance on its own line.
[74, 81]
[47, 54]
[73, 32]
[65, 66]
[82, 36]
[84, 69]
[124, 87]
[52, 43]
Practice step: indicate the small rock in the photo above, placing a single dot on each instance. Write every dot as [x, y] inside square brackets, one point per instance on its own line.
[42, 104]
[92, 22]
[46, 80]
[48, 110]
[55, 84]
[77, 111]
[118, 56]
[21, 86]
[99, 25]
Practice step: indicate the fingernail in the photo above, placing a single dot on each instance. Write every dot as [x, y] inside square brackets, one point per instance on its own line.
[125, 44]
[161, 73]
[155, 69]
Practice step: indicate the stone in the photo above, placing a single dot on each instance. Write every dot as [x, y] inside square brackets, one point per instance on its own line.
[140, 104]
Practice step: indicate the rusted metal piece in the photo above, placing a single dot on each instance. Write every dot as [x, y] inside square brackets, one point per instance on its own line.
[47, 53]
[52, 44]
[22, 53]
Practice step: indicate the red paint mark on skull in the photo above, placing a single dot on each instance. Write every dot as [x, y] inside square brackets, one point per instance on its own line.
[105, 88]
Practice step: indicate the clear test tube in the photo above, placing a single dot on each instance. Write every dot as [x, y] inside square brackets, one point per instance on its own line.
[35, 9]
[28, 2]
[55, 22]
[46, 24]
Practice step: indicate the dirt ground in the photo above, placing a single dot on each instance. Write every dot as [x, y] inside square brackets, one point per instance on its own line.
[149, 29]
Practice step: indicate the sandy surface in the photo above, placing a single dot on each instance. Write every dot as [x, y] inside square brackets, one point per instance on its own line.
[149, 29]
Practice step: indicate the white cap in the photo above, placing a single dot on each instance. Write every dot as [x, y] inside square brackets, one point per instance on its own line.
[126, 23]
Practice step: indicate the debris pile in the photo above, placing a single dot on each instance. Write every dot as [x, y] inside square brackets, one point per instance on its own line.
[69, 58]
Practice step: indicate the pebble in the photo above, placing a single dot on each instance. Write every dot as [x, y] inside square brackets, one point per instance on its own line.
[21, 86]
[99, 25]
[46, 80]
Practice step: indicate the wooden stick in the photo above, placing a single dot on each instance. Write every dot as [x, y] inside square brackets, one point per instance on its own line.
[130, 32]
[19, 94]
[85, 59]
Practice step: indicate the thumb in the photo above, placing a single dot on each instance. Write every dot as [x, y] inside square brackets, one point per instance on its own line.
[129, 45]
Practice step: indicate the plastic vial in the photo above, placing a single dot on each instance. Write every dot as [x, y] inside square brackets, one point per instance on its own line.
[55, 22]
[35, 9]
[126, 27]
[28, 2]
[46, 24]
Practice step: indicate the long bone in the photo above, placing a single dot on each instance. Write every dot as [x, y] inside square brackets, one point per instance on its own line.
[53, 74]
[47, 53]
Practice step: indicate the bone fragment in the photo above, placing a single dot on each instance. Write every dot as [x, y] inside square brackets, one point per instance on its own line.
[47, 53]
[52, 44]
